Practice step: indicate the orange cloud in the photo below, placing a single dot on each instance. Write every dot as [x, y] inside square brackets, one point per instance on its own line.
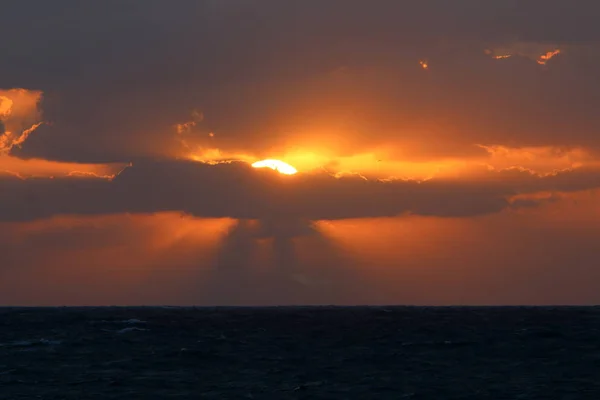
[373, 164]
[538, 52]
[43, 168]
[541, 159]
[543, 59]
[383, 163]
[216, 156]
[25, 134]
[19, 115]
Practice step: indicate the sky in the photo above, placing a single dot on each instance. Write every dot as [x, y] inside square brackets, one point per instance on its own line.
[447, 153]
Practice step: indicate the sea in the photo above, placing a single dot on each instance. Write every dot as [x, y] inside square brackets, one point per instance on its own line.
[300, 353]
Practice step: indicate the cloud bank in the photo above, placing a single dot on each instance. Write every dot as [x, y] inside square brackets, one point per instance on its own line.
[236, 190]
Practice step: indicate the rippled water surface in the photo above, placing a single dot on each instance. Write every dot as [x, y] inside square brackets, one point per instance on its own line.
[300, 353]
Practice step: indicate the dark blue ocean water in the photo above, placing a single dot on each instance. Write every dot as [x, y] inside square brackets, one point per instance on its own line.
[300, 353]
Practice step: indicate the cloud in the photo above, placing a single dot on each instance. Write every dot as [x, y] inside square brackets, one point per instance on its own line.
[541, 53]
[19, 117]
[350, 83]
[236, 190]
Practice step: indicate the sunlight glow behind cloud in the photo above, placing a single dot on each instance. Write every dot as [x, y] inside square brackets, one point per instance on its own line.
[276, 165]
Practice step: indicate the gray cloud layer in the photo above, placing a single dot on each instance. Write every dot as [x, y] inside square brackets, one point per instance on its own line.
[262, 71]
[239, 191]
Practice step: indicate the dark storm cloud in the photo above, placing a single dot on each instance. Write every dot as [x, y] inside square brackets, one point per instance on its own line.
[236, 190]
[263, 70]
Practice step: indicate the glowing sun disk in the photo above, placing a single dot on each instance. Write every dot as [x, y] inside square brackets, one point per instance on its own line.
[276, 165]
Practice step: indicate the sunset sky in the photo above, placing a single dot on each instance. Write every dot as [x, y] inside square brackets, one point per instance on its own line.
[447, 152]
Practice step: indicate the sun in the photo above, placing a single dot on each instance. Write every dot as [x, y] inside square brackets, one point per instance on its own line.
[277, 165]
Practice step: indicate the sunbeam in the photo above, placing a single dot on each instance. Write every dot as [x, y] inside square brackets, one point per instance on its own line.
[265, 263]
